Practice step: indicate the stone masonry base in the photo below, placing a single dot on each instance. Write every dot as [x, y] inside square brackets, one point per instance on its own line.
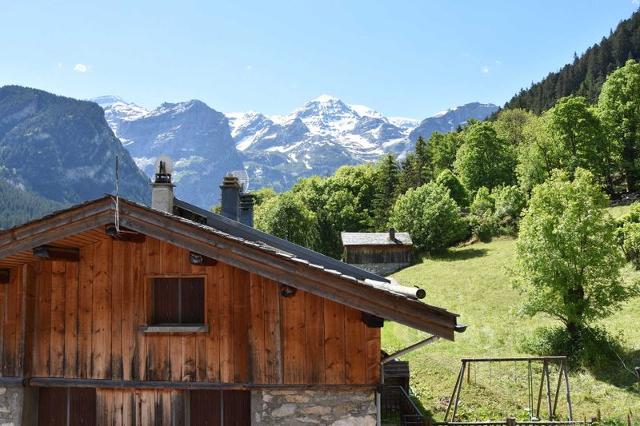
[306, 407]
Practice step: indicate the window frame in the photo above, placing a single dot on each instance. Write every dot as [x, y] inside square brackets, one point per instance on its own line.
[173, 328]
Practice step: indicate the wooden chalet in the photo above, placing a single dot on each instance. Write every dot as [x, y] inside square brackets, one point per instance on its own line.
[378, 252]
[113, 313]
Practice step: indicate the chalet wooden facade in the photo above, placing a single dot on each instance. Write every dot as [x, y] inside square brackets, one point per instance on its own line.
[379, 252]
[185, 317]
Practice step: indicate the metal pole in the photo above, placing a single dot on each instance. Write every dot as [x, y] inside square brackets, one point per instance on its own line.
[455, 407]
[530, 383]
[566, 380]
[546, 369]
[411, 348]
[453, 395]
[555, 402]
[544, 365]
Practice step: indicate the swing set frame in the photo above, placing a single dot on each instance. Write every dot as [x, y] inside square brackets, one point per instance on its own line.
[546, 361]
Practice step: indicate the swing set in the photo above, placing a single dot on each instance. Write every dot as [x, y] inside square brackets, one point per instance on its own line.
[530, 363]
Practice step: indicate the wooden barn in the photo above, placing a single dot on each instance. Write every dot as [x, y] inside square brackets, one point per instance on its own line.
[113, 313]
[378, 252]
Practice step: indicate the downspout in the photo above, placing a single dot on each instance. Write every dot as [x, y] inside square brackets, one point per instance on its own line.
[391, 357]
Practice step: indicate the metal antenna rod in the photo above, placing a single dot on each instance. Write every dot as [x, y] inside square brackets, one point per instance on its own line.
[117, 218]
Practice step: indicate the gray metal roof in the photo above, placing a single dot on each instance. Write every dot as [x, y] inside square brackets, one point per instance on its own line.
[375, 239]
[274, 244]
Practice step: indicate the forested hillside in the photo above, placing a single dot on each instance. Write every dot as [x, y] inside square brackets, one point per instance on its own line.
[586, 74]
[18, 206]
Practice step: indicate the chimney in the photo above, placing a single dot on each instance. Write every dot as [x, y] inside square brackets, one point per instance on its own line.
[162, 188]
[246, 209]
[392, 234]
[230, 189]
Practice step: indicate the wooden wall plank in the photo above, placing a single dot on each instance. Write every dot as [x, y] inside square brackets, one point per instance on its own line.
[101, 339]
[85, 310]
[129, 306]
[212, 293]
[241, 314]
[119, 253]
[355, 347]
[334, 343]
[10, 325]
[314, 344]
[71, 320]
[372, 336]
[56, 352]
[43, 321]
[226, 325]
[29, 306]
[257, 360]
[273, 341]
[293, 338]
[139, 357]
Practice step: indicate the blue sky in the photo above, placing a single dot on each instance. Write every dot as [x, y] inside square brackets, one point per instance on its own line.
[403, 58]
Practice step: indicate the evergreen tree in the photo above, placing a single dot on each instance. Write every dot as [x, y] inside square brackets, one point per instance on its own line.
[386, 187]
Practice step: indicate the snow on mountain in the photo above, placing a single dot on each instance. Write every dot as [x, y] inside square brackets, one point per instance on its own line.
[451, 119]
[315, 139]
[196, 137]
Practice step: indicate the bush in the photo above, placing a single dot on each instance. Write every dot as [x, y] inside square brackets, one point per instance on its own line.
[628, 235]
[430, 215]
[481, 218]
[510, 201]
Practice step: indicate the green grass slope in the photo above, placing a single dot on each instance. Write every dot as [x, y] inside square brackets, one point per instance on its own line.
[474, 282]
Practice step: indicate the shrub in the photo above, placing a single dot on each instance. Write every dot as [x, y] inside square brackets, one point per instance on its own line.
[430, 215]
[510, 201]
[628, 235]
[481, 218]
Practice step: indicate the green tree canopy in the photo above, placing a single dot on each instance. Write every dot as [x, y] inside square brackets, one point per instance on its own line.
[430, 215]
[619, 110]
[285, 216]
[484, 159]
[442, 148]
[457, 191]
[578, 141]
[568, 262]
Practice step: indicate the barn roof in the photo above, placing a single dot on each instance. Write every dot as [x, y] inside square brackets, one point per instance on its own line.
[375, 239]
[238, 245]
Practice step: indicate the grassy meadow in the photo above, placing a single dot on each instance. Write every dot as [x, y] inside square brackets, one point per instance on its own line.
[474, 281]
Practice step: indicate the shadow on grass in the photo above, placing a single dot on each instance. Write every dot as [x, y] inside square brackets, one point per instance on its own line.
[615, 373]
[457, 255]
[596, 351]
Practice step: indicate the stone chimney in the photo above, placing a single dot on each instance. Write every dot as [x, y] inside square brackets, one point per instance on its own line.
[162, 189]
[230, 197]
[246, 209]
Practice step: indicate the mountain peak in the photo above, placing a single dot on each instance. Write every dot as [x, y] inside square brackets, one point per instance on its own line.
[324, 99]
[108, 100]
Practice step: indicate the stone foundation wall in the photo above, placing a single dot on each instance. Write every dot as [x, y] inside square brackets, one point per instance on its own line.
[305, 407]
[11, 400]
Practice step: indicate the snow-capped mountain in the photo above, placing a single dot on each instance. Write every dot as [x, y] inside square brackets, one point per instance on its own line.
[196, 137]
[451, 119]
[315, 139]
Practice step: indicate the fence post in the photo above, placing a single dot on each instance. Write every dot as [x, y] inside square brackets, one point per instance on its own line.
[511, 421]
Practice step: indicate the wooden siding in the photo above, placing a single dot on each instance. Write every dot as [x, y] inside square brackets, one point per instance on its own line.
[86, 324]
[378, 254]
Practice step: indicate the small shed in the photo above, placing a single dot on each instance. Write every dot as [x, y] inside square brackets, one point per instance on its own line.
[378, 252]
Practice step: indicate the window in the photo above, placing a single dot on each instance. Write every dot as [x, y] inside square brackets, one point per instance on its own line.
[177, 301]
[219, 408]
[67, 406]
